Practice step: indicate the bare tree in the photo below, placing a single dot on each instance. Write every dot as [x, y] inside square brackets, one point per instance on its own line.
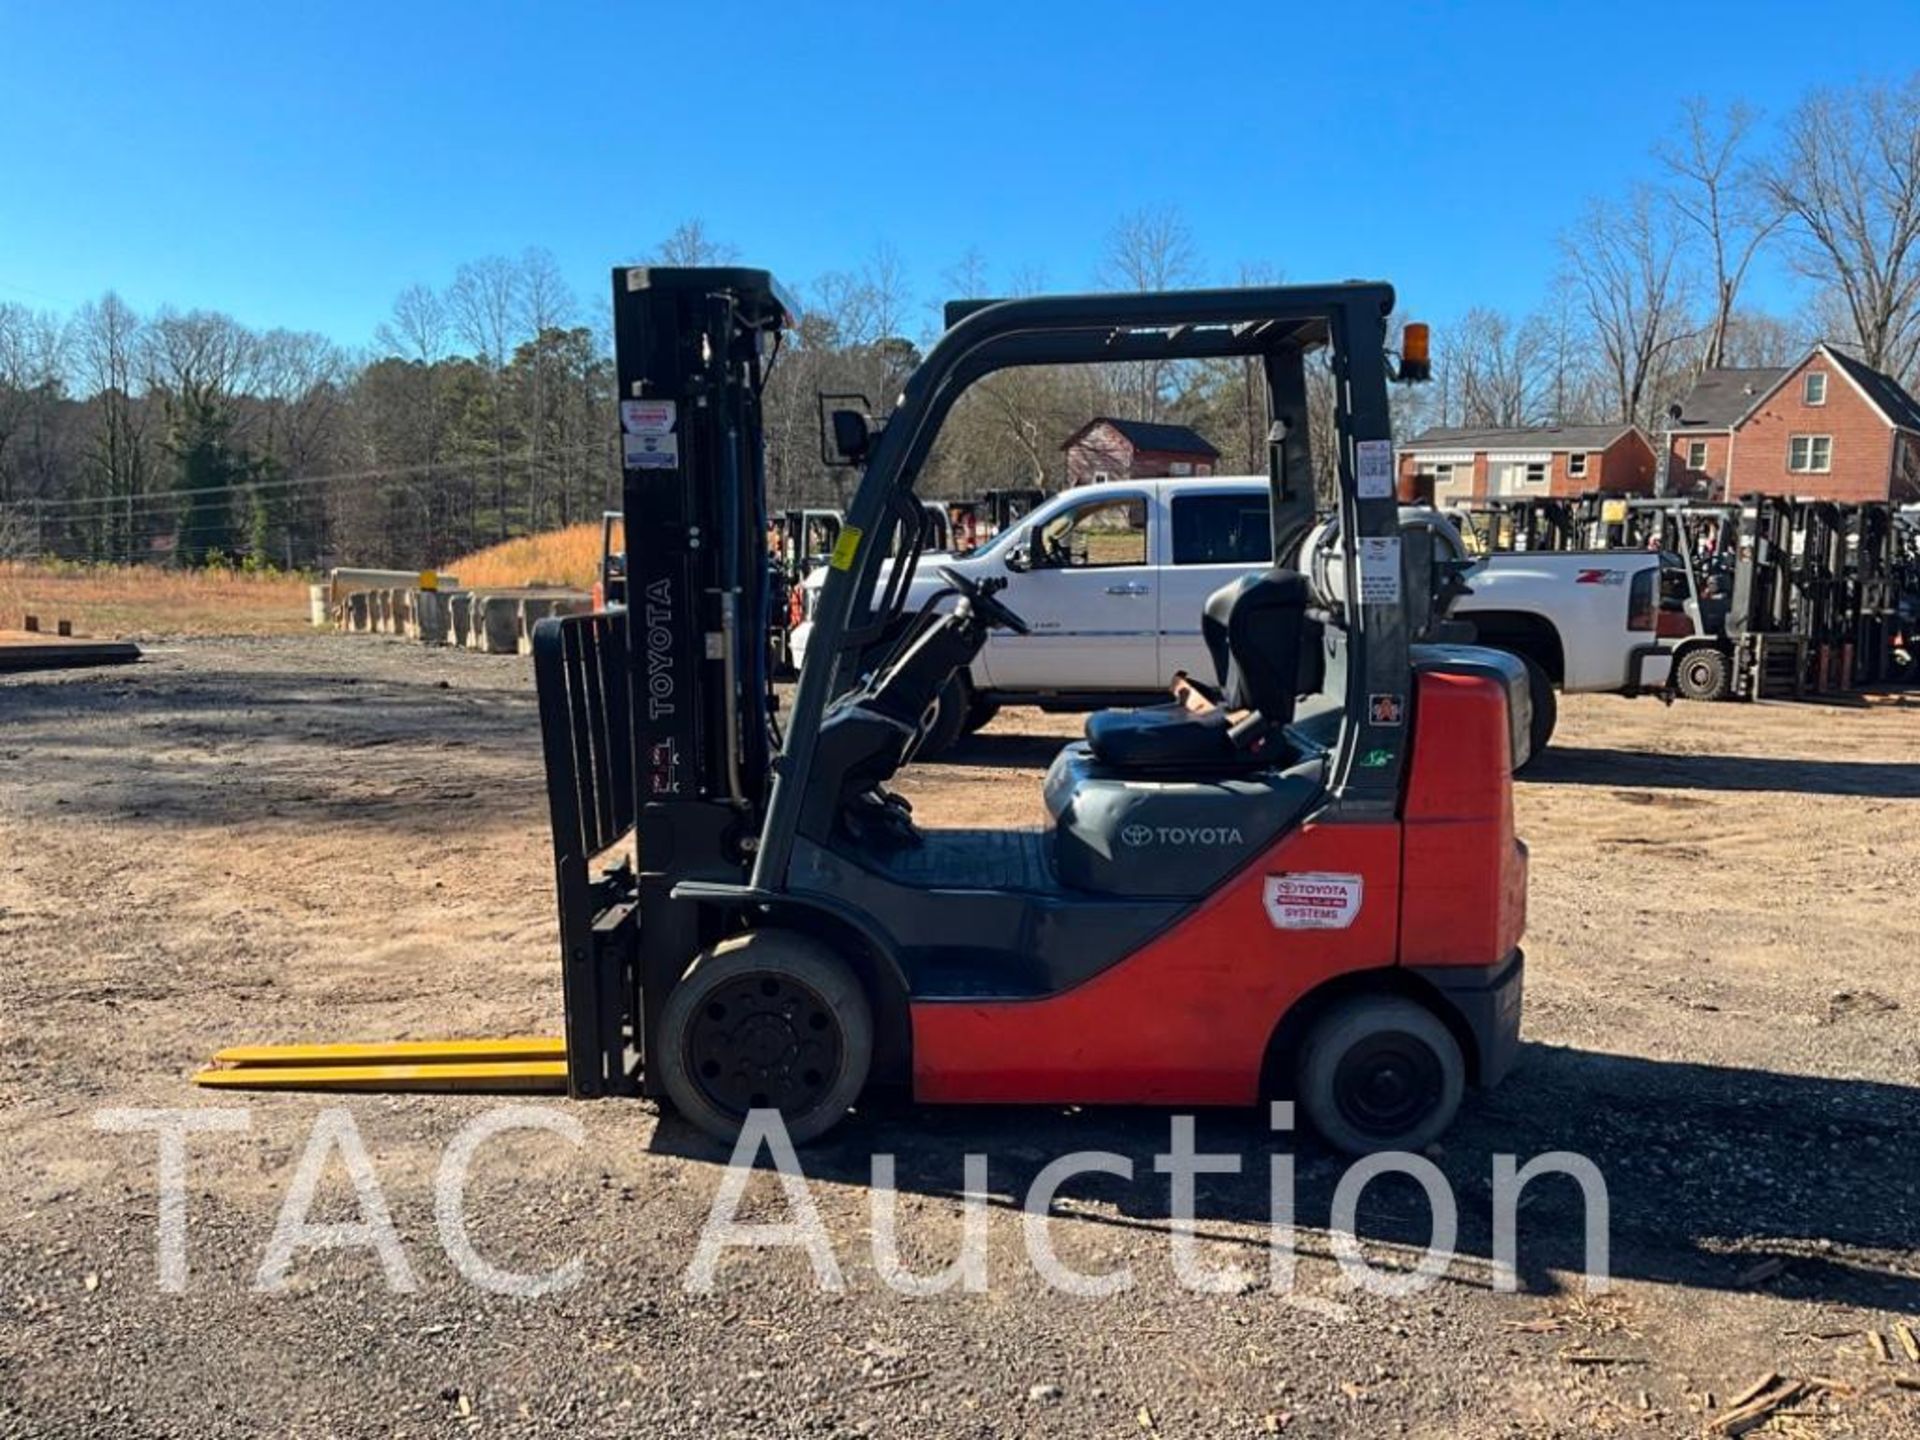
[418, 328]
[485, 305]
[690, 244]
[1723, 201]
[1500, 368]
[34, 353]
[1848, 174]
[1149, 249]
[1755, 338]
[108, 340]
[1624, 264]
[547, 304]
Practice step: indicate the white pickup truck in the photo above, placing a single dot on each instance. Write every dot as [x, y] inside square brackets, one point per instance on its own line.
[1112, 578]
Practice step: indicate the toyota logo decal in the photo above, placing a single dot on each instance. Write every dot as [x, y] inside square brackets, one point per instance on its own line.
[1137, 834]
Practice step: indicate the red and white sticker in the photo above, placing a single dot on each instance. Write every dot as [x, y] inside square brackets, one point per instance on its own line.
[1312, 900]
[647, 417]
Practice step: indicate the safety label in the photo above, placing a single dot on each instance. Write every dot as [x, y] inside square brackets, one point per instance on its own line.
[1379, 569]
[1386, 709]
[646, 417]
[845, 548]
[1376, 469]
[1312, 900]
[651, 452]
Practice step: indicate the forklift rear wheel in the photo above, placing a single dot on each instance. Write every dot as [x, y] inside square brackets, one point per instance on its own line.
[1703, 673]
[771, 1020]
[1381, 1072]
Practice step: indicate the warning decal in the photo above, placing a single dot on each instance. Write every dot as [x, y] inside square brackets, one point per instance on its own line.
[1379, 569]
[1312, 900]
[647, 417]
[1375, 469]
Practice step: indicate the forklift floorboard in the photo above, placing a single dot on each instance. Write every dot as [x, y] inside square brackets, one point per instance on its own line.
[977, 860]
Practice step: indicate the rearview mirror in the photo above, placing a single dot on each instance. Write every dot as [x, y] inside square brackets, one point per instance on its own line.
[852, 435]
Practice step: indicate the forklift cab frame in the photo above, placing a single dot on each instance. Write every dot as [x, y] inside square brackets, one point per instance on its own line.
[1278, 324]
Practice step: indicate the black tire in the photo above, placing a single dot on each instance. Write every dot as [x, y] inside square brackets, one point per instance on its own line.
[947, 722]
[980, 714]
[1703, 673]
[1380, 1072]
[1544, 703]
[771, 1019]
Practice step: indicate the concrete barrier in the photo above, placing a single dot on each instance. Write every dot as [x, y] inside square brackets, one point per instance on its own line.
[497, 624]
[343, 582]
[492, 623]
[533, 611]
[430, 617]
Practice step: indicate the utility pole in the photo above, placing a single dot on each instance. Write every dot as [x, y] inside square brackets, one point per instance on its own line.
[1666, 452]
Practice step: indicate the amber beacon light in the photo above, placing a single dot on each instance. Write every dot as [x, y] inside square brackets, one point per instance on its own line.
[1414, 361]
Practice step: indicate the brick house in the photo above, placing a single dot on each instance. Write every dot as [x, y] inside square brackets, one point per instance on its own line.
[1108, 449]
[1451, 466]
[1828, 428]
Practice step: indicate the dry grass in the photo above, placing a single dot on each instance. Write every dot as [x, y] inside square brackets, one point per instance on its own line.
[568, 558]
[133, 600]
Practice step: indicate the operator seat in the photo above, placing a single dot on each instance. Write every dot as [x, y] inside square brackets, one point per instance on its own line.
[1256, 630]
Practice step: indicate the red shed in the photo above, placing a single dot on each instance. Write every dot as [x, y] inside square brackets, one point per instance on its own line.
[1108, 449]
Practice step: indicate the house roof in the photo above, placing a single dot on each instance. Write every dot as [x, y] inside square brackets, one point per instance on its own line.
[1537, 437]
[1721, 397]
[1888, 395]
[1146, 435]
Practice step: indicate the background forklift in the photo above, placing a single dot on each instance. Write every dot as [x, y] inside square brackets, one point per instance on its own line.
[797, 542]
[1301, 877]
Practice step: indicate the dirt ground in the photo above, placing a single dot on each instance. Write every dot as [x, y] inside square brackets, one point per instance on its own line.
[345, 838]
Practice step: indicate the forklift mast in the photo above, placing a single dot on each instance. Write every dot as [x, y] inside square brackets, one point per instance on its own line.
[691, 350]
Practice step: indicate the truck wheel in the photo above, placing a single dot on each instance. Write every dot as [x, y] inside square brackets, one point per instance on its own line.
[1380, 1072]
[768, 1020]
[948, 721]
[1703, 673]
[980, 714]
[1545, 705]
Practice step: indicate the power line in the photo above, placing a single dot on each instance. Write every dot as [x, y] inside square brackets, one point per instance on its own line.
[57, 509]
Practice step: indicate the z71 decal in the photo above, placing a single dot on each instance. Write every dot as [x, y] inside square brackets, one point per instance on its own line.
[1601, 577]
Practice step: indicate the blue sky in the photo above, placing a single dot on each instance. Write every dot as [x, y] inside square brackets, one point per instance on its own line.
[299, 165]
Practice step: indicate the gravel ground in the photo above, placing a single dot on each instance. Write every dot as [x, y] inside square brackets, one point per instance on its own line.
[332, 838]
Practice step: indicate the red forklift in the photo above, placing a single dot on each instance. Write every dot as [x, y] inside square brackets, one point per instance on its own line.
[1299, 877]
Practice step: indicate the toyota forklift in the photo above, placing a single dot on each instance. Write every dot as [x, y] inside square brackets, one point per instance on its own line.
[1298, 877]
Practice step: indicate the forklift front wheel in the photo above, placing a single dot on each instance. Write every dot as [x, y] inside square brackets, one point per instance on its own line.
[1381, 1072]
[1703, 673]
[770, 1020]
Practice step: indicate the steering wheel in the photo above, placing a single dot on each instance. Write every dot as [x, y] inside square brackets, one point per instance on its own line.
[984, 604]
